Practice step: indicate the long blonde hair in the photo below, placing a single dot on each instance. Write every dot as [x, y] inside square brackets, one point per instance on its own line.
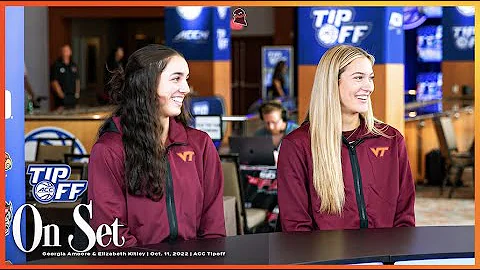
[325, 116]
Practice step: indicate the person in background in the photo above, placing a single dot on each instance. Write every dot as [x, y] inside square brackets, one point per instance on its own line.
[275, 120]
[31, 101]
[277, 88]
[342, 168]
[114, 61]
[65, 81]
[162, 179]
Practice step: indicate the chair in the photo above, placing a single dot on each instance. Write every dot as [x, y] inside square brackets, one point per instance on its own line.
[448, 147]
[53, 153]
[79, 165]
[248, 219]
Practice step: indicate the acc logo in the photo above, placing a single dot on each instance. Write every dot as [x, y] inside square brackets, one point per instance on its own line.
[464, 37]
[189, 13]
[8, 216]
[8, 162]
[8, 104]
[336, 26]
[192, 35]
[50, 183]
[53, 133]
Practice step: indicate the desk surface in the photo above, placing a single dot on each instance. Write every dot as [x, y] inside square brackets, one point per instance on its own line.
[320, 247]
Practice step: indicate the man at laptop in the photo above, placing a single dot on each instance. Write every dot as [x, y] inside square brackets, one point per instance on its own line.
[276, 123]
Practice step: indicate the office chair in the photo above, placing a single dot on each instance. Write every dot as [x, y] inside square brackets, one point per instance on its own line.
[248, 219]
[448, 147]
[49, 153]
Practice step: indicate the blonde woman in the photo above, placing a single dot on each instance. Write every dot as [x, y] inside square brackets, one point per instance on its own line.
[344, 169]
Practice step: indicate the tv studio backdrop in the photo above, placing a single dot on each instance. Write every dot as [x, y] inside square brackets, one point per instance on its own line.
[432, 57]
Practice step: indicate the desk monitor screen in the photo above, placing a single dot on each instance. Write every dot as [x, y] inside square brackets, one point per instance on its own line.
[253, 150]
[211, 124]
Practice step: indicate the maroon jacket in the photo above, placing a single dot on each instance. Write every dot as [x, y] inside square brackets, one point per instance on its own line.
[379, 187]
[192, 205]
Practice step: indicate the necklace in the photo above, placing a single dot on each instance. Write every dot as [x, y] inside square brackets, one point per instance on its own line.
[352, 132]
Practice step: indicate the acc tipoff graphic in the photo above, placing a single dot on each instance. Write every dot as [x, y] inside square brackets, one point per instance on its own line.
[50, 183]
[336, 26]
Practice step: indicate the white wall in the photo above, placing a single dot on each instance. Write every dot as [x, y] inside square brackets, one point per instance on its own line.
[260, 22]
[36, 50]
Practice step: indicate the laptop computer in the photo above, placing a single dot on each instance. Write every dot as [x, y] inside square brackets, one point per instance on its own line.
[253, 150]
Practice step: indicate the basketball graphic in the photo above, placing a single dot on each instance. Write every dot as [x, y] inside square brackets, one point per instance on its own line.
[44, 191]
[54, 133]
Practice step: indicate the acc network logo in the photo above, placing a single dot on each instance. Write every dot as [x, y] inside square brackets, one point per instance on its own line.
[50, 183]
[336, 26]
[192, 35]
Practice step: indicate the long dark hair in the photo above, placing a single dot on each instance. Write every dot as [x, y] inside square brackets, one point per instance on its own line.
[278, 71]
[134, 91]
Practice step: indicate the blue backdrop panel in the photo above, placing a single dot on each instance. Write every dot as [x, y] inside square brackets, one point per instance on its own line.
[199, 33]
[14, 124]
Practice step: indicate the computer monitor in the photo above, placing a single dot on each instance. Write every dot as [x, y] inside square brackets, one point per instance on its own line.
[253, 150]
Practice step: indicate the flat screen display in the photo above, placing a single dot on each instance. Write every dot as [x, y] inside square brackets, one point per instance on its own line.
[429, 86]
[429, 43]
[211, 124]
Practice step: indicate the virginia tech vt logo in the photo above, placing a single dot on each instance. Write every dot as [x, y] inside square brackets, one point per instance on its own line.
[379, 151]
[186, 156]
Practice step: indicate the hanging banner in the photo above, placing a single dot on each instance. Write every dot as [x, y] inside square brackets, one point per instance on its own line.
[199, 33]
[14, 123]
[458, 33]
[271, 57]
[320, 28]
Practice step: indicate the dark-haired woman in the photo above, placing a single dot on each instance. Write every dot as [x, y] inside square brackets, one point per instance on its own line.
[277, 89]
[161, 179]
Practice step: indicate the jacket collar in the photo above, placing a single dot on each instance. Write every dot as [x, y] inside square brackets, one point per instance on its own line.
[177, 132]
[362, 132]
